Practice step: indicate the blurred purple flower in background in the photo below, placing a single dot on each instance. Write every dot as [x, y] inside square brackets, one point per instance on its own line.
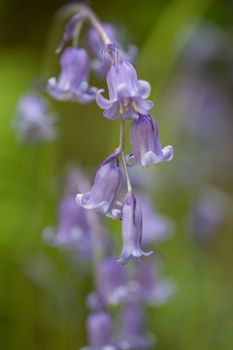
[100, 331]
[207, 214]
[133, 335]
[111, 281]
[152, 289]
[156, 227]
[73, 229]
[34, 122]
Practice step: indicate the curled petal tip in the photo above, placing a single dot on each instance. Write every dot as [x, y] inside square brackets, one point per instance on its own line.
[79, 198]
[130, 160]
[123, 260]
[102, 101]
[144, 88]
[151, 252]
[168, 153]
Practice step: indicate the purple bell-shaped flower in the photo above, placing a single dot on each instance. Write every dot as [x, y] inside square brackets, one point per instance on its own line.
[73, 229]
[146, 144]
[100, 331]
[104, 192]
[131, 230]
[111, 281]
[72, 83]
[127, 95]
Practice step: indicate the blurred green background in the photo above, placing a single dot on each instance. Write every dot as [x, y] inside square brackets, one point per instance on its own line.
[42, 291]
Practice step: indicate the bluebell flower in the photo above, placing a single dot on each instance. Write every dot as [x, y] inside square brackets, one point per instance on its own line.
[145, 142]
[73, 229]
[102, 62]
[131, 230]
[100, 331]
[152, 289]
[34, 121]
[207, 214]
[72, 83]
[105, 190]
[111, 281]
[133, 335]
[127, 95]
[156, 227]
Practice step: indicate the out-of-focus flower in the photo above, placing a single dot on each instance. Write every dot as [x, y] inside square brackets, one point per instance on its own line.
[127, 95]
[146, 144]
[111, 281]
[152, 289]
[102, 63]
[73, 230]
[208, 213]
[106, 187]
[33, 121]
[72, 83]
[156, 227]
[207, 42]
[133, 334]
[131, 230]
[100, 332]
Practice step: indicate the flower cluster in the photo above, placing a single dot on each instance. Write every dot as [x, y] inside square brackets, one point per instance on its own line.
[128, 100]
[117, 306]
[112, 193]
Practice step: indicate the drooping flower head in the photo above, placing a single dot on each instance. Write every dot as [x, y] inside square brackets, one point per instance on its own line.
[127, 94]
[145, 142]
[72, 83]
[131, 230]
[105, 190]
[34, 122]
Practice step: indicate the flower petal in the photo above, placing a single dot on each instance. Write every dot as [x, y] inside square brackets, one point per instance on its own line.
[113, 112]
[85, 94]
[102, 101]
[144, 89]
[168, 153]
[143, 106]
